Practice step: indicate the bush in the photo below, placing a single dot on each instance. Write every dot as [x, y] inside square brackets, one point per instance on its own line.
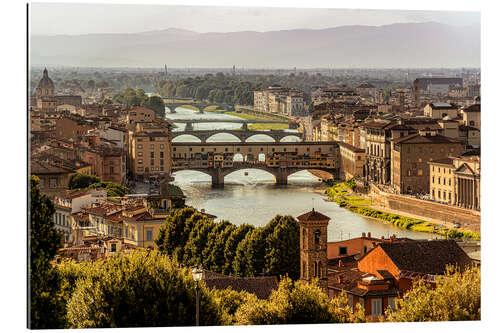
[457, 296]
[80, 180]
[296, 303]
[138, 290]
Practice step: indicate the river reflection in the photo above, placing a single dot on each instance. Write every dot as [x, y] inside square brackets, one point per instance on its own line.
[250, 196]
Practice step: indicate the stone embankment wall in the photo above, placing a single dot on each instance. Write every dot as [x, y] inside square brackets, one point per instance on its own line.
[442, 212]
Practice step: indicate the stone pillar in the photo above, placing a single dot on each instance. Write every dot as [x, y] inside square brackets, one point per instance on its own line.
[189, 127]
[244, 127]
[217, 177]
[282, 177]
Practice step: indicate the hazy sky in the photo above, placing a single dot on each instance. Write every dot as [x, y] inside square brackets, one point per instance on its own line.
[74, 19]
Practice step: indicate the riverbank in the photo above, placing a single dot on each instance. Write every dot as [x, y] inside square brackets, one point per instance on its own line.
[343, 195]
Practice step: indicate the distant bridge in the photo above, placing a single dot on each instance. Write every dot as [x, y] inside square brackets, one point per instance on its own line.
[282, 159]
[189, 122]
[243, 135]
[199, 106]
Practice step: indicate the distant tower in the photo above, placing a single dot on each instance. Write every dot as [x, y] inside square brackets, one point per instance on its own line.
[166, 70]
[313, 238]
[234, 69]
[45, 86]
[295, 70]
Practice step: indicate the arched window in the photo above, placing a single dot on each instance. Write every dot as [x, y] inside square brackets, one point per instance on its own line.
[319, 269]
[303, 238]
[317, 235]
[315, 269]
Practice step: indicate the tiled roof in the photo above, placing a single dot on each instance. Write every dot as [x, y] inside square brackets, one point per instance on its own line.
[446, 160]
[430, 257]
[473, 108]
[312, 216]
[260, 286]
[430, 139]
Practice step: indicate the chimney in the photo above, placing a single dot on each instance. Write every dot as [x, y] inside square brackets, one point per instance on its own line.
[340, 263]
[369, 235]
[382, 237]
[363, 234]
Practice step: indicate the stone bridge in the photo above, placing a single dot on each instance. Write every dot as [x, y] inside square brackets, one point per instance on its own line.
[294, 157]
[243, 135]
[280, 174]
[189, 122]
[199, 106]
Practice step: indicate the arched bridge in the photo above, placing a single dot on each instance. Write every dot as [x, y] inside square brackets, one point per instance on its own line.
[243, 135]
[280, 174]
[280, 159]
[189, 122]
[199, 106]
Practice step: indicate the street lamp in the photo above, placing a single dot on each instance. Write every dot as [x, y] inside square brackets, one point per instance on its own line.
[197, 276]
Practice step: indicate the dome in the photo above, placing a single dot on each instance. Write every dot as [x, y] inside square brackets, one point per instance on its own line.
[46, 81]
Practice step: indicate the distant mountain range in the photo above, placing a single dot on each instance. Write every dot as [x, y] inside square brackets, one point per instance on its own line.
[396, 45]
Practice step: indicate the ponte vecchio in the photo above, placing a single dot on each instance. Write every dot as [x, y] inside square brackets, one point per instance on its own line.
[281, 159]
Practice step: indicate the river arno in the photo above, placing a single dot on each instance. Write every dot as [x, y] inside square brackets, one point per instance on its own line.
[255, 199]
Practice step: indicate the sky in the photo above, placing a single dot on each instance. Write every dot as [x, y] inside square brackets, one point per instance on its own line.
[77, 19]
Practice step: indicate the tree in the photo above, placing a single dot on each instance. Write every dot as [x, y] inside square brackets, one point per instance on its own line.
[249, 259]
[156, 103]
[456, 296]
[296, 303]
[46, 309]
[229, 301]
[112, 189]
[197, 242]
[213, 254]
[231, 245]
[80, 180]
[137, 290]
[283, 248]
[172, 233]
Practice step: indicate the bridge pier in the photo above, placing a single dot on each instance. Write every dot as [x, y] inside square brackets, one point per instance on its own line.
[189, 127]
[281, 177]
[245, 127]
[217, 177]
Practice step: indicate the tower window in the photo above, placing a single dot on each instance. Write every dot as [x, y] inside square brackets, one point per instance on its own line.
[317, 235]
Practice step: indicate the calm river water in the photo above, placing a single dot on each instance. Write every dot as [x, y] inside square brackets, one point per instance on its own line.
[255, 199]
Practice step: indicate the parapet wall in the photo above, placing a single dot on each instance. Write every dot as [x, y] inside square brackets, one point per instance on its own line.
[433, 210]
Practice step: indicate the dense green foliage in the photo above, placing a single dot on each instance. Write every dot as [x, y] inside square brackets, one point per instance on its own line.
[196, 240]
[456, 297]
[140, 289]
[229, 301]
[46, 309]
[80, 180]
[112, 189]
[130, 97]
[231, 89]
[294, 303]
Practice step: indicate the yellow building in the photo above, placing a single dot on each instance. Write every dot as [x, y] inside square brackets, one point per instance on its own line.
[150, 149]
[457, 180]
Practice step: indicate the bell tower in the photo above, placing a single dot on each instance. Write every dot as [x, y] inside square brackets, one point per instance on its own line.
[313, 238]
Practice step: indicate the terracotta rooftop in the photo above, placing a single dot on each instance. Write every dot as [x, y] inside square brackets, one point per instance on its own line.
[313, 216]
[429, 139]
[430, 257]
[262, 287]
[446, 161]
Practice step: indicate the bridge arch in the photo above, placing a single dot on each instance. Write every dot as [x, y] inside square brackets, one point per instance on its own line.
[263, 135]
[208, 174]
[288, 137]
[190, 106]
[248, 168]
[330, 172]
[182, 138]
[212, 139]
